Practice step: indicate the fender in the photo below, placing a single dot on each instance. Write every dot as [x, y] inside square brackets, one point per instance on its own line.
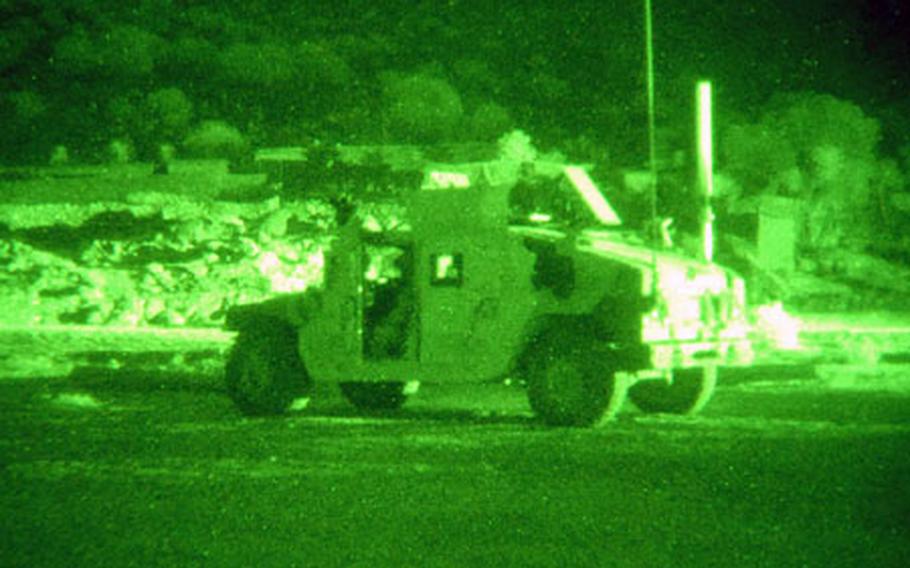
[294, 310]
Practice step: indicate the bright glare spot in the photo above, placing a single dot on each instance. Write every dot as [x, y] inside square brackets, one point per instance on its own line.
[372, 225]
[779, 326]
[739, 293]
[293, 277]
[372, 273]
[299, 404]
[269, 263]
[76, 400]
[317, 259]
[540, 218]
[443, 264]
[447, 180]
[665, 235]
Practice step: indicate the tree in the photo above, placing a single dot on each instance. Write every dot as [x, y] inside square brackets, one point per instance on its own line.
[489, 121]
[17, 36]
[321, 67]
[122, 53]
[123, 116]
[323, 84]
[129, 52]
[816, 148]
[421, 108]
[189, 58]
[22, 114]
[258, 64]
[476, 80]
[169, 113]
[368, 53]
[75, 54]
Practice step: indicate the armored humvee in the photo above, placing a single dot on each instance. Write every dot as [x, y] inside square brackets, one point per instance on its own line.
[482, 284]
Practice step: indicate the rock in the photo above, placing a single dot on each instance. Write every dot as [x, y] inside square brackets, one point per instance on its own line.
[275, 225]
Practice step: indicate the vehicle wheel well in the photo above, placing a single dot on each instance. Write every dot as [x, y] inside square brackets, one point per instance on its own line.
[595, 331]
[291, 310]
[254, 323]
[553, 330]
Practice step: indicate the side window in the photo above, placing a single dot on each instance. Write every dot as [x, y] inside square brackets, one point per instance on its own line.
[446, 269]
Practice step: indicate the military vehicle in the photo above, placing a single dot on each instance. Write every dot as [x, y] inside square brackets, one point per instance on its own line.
[501, 270]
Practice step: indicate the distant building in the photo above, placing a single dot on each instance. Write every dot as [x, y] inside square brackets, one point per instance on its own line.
[778, 231]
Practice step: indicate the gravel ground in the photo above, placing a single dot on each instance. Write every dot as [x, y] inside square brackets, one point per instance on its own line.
[123, 468]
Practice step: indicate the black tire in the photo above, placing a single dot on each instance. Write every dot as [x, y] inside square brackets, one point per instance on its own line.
[264, 373]
[375, 397]
[687, 393]
[572, 384]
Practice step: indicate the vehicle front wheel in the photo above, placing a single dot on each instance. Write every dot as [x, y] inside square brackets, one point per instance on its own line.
[569, 385]
[686, 392]
[264, 373]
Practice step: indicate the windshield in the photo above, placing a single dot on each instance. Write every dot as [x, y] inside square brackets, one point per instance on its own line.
[570, 199]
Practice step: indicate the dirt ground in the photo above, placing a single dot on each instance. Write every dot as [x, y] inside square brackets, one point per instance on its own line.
[122, 468]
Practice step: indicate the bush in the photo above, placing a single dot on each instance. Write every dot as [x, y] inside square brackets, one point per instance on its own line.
[516, 146]
[60, 156]
[120, 151]
[215, 139]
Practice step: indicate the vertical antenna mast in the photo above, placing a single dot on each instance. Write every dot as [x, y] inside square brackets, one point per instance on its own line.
[706, 167]
[652, 149]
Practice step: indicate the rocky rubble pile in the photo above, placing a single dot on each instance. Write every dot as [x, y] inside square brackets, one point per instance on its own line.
[159, 260]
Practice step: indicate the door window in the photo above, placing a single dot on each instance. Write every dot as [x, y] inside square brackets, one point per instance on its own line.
[388, 301]
[447, 269]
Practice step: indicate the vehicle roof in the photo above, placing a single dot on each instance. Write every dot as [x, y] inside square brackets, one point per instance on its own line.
[507, 173]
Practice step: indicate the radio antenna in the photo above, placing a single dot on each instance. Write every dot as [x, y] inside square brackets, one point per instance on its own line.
[652, 146]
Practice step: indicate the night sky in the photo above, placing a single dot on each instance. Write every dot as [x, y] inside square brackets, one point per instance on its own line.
[81, 74]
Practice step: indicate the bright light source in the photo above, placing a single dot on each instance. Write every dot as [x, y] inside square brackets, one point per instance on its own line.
[778, 326]
[447, 180]
[445, 263]
[705, 146]
[706, 165]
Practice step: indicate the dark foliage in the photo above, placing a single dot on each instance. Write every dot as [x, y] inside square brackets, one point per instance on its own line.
[83, 74]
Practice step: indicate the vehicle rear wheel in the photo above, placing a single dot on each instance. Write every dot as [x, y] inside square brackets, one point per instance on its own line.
[372, 397]
[569, 385]
[264, 373]
[687, 391]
